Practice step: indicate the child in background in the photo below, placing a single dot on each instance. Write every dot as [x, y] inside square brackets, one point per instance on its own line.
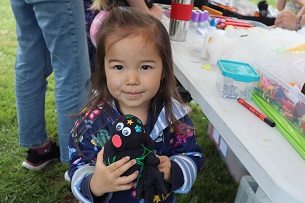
[143, 5]
[134, 75]
[93, 7]
[291, 21]
[293, 6]
[89, 17]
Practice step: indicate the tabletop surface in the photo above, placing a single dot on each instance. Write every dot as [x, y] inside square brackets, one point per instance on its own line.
[266, 154]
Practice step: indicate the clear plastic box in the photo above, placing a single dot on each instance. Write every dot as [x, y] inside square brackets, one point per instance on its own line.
[280, 85]
[250, 192]
[236, 79]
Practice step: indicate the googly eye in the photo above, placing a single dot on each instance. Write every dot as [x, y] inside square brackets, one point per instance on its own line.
[119, 126]
[126, 131]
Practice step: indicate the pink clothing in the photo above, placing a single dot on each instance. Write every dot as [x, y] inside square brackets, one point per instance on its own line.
[95, 26]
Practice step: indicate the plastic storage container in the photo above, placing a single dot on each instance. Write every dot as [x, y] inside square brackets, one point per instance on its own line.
[236, 79]
[250, 192]
[280, 85]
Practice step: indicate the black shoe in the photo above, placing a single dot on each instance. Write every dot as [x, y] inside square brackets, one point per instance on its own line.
[36, 161]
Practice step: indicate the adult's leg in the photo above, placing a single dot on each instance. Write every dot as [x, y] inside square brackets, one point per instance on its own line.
[63, 25]
[32, 68]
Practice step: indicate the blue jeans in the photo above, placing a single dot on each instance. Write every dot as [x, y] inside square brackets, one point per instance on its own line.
[51, 38]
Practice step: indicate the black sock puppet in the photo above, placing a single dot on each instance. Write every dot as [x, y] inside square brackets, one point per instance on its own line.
[129, 139]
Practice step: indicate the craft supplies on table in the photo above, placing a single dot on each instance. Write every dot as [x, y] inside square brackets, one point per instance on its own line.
[296, 139]
[280, 85]
[236, 79]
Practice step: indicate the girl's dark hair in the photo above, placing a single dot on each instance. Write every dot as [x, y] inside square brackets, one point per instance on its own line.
[124, 22]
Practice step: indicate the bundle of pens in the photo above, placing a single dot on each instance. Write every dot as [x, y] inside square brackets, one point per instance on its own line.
[225, 21]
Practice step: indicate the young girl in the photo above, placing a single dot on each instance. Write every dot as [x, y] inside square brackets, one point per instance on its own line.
[134, 75]
[104, 6]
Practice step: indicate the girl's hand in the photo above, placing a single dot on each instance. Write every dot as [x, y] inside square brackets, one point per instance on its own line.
[108, 178]
[156, 11]
[165, 167]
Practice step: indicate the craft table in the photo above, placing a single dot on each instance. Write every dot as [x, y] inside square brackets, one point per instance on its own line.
[266, 154]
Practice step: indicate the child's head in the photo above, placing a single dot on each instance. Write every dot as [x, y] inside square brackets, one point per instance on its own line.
[107, 4]
[126, 26]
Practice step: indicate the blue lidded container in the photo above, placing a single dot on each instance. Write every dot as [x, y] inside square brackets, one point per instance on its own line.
[236, 79]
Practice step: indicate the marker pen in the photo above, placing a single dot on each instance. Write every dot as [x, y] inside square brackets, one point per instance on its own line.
[256, 112]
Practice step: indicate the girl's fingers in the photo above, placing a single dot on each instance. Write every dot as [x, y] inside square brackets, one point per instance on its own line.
[126, 180]
[119, 167]
[114, 166]
[123, 166]
[100, 158]
[124, 187]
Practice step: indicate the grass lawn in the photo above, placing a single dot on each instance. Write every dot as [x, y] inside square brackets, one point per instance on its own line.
[214, 184]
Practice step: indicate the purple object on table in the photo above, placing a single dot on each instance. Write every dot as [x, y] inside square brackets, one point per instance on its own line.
[195, 16]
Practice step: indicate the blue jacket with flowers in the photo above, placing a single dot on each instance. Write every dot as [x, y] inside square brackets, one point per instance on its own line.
[93, 132]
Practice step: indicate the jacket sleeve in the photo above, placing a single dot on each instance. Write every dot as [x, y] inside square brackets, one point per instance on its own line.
[80, 186]
[83, 149]
[186, 153]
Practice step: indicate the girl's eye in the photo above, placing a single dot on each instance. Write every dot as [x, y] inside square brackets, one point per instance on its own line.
[119, 67]
[126, 131]
[145, 67]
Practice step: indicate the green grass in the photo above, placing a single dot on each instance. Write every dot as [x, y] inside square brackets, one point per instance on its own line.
[214, 184]
[270, 2]
[17, 183]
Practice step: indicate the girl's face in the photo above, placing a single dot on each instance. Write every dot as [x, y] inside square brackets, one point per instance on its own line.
[133, 71]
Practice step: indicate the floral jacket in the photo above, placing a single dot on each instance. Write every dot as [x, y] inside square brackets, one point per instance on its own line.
[91, 135]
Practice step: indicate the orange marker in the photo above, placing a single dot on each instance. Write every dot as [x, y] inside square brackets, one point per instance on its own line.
[256, 112]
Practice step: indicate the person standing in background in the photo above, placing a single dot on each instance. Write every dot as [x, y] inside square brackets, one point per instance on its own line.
[147, 6]
[51, 38]
[290, 21]
[293, 6]
[89, 17]
[93, 7]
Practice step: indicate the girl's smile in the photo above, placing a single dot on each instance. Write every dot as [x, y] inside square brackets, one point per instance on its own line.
[133, 70]
[133, 94]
